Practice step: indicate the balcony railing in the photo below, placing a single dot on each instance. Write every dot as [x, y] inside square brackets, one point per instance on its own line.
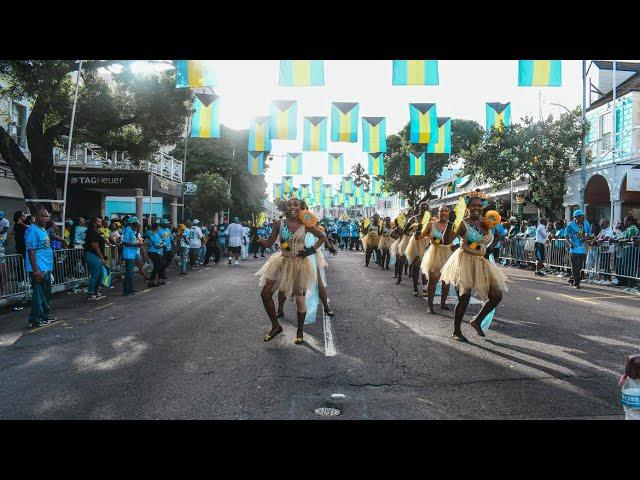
[161, 164]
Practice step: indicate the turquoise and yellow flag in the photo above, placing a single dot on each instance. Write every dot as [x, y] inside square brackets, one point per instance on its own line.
[194, 74]
[358, 191]
[339, 199]
[316, 185]
[347, 185]
[282, 124]
[255, 163]
[424, 123]
[376, 163]
[417, 165]
[315, 134]
[327, 190]
[443, 144]
[287, 185]
[205, 120]
[349, 201]
[374, 184]
[498, 115]
[379, 187]
[344, 122]
[293, 164]
[540, 73]
[301, 73]
[304, 191]
[277, 190]
[259, 135]
[415, 72]
[336, 164]
[326, 202]
[374, 134]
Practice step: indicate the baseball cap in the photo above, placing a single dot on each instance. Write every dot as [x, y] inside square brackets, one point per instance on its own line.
[513, 219]
[577, 213]
[236, 219]
[133, 219]
[196, 221]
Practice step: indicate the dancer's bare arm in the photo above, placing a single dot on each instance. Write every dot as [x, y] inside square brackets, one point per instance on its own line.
[267, 243]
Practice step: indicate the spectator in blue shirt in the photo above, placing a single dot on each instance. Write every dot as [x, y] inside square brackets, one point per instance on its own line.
[80, 233]
[165, 233]
[155, 250]
[500, 233]
[577, 232]
[355, 236]
[39, 265]
[129, 254]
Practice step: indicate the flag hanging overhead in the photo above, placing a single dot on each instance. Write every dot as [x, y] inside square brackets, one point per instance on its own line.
[315, 134]
[327, 190]
[259, 135]
[376, 163]
[344, 122]
[287, 185]
[339, 199]
[540, 73]
[277, 190]
[374, 134]
[358, 191]
[316, 185]
[379, 187]
[193, 74]
[255, 163]
[346, 185]
[424, 123]
[336, 164]
[282, 124]
[443, 144]
[294, 164]
[205, 122]
[417, 165]
[498, 115]
[304, 191]
[301, 73]
[415, 72]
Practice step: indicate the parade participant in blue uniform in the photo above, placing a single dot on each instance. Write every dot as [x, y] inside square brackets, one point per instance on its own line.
[39, 265]
[165, 233]
[185, 238]
[577, 232]
[129, 254]
[155, 250]
[344, 232]
[354, 236]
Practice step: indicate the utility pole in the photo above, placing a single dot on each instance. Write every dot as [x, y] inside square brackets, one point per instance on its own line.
[583, 147]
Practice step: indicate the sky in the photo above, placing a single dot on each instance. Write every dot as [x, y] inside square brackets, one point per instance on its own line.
[247, 87]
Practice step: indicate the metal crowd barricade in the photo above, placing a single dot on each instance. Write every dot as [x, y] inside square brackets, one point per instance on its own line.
[14, 281]
[69, 269]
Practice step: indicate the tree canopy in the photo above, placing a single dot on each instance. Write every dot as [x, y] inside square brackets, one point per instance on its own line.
[212, 195]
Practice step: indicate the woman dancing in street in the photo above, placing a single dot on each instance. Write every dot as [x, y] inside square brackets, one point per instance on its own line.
[397, 249]
[469, 271]
[289, 270]
[385, 243]
[371, 238]
[441, 234]
[416, 247]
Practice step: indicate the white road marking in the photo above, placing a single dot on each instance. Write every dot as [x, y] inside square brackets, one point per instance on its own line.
[329, 347]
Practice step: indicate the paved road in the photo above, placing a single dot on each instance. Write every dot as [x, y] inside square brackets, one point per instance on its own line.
[194, 350]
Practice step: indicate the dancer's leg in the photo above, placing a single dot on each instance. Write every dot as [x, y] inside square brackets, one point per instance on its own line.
[281, 299]
[461, 307]
[431, 289]
[444, 296]
[495, 297]
[301, 307]
[269, 306]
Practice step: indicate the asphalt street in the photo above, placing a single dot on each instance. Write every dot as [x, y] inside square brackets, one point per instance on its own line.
[193, 350]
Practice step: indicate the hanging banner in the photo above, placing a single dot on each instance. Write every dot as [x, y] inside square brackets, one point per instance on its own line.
[327, 190]
[282, 124]
[315, 134]
[316, 185]
[417, 165]
[344, 122]
[336, 164]
[376, 163]
[194, 74]
[443, 144]
[287, 185]
[498, 115]
[374, 134]
[423, 127]
[301, 73]
[304, 191]
[255, 163]
[539, 73]
[277, 191]
[358, 192]
[293, 164]
[259, 135]
[415, 72]
[205, 122]
[347, 185]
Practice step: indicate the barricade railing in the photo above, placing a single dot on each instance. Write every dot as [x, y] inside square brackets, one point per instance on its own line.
[14, 281]
[606, 259]
[69, 268]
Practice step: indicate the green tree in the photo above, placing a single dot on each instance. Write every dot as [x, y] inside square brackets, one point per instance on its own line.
[360, 176]
[212, 195]
[464, 134]
[227, 157]
[542, 153]
[116, 111]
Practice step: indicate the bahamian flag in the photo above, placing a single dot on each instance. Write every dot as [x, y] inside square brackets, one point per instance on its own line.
[293, 164]
[374, 134]
[350, 201]
[301, 73]
[327, 190]
[259, 135]
[498, 115]
[316, 185]
[417, 165]
[255, 163]
[336, 164]
[347, 185]
[326, 202]
[415, 72]
[277, 190]
[424, 123]
[376, 163]
[205, 120]
[358, 192]
[377, 184]
[443, 144]
[540, 73]
[339, 198]
[315, 134]
[304, 190]
[344, 122]
[287, 185]
[194, 74]
[282, 123]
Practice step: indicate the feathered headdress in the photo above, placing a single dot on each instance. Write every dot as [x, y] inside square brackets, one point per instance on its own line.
[476, 194]
[307, 218]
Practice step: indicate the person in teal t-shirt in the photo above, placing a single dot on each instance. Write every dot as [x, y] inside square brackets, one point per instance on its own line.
[577, 233]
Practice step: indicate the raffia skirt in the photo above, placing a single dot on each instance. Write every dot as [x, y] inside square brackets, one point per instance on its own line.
[472, 273]
[397, 248]
[370, 241]
[415, 248]
[293, 275]
[385, 242]
[435, 257]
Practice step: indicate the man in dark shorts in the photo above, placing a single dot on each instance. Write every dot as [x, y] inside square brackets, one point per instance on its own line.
[541, 239]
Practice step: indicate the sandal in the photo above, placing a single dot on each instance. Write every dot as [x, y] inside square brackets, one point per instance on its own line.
[459, 337]
[331, 313]
[298, 340]
[268, 337]
[416, 293]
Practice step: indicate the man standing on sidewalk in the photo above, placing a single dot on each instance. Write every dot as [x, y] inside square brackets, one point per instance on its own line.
[577, 232]
[129, 254]
[541, 240]
[195, 243]
[235, 232]
[39, 267]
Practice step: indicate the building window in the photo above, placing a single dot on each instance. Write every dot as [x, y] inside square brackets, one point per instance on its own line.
[18, 124]
[605, 131]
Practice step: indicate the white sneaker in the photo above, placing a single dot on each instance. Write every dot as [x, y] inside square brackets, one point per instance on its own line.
[237, 263]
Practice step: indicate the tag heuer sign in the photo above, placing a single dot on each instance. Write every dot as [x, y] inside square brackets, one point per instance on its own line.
[106, 180]
[97, 180]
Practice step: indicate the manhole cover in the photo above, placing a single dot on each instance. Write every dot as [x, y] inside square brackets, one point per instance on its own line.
[327, 412]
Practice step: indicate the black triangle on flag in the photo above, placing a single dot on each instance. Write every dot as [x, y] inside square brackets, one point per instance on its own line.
[422, 107]
[373, 120]
[345, 107]
[261, 120]
[206, 98]
[283, 105]
[315, 120]
[498, 107]
[443, 120]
